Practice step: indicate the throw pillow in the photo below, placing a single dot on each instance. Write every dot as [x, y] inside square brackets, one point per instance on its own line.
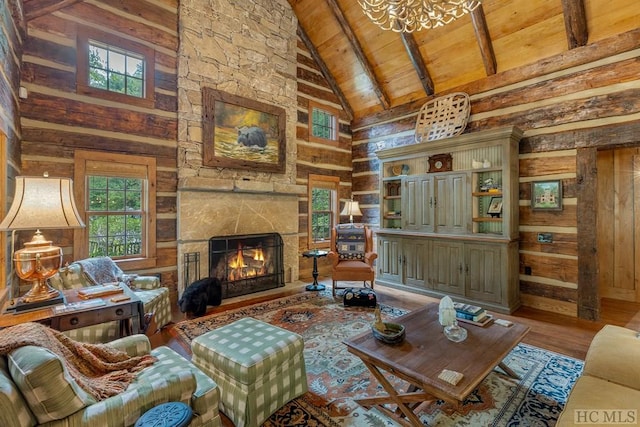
[350, 241]
[45, 383]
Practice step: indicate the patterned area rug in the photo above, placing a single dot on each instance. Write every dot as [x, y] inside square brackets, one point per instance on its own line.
[336, 377]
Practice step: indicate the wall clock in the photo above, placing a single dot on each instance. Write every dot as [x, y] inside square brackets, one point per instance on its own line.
[440, 163]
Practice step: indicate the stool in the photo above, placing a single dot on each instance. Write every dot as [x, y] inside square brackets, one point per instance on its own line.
[171, 414]
[257, 366]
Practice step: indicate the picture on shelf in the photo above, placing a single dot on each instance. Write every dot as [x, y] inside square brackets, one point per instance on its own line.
[495, 207]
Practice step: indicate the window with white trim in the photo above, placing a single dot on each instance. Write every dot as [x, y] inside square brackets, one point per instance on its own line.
[322, 208]
[118, 207]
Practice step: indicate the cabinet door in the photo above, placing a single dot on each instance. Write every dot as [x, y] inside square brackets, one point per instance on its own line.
[446, 266]
[414, 256]
[484, 270]
[417, 203]
[389, 258]
[451, 193]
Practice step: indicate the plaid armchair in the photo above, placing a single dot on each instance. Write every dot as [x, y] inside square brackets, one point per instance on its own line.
[95, 271]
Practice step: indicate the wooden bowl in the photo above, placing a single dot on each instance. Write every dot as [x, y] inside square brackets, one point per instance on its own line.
[393, 333]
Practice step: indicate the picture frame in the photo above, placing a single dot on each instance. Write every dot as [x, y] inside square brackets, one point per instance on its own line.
[242, 133]
[495, 207]
[546, 195]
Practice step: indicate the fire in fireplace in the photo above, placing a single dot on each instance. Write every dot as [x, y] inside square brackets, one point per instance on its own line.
[247, 264]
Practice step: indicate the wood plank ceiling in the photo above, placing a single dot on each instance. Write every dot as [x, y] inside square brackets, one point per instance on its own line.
[374, 72]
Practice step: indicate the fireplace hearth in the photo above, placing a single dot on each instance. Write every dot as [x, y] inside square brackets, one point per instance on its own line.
[247, 264]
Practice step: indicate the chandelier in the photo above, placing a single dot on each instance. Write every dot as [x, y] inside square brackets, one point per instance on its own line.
[413, 15]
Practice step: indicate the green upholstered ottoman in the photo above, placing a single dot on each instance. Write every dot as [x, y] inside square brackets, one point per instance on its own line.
[258, 368]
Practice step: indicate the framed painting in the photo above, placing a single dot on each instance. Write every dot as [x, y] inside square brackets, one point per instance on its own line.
[495, 207]
[546, 195]
[242, 133]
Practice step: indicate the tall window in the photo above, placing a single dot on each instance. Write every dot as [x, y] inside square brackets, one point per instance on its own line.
[118, 207]
[323, 209]
[114, 68]
[323, 123]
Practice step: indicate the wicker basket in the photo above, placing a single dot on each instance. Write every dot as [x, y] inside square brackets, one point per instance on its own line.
[443, 117]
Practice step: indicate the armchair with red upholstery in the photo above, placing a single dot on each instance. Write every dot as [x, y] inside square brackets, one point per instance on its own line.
[351, 255]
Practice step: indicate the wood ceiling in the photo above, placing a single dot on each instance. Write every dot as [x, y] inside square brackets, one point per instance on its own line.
[376, 71]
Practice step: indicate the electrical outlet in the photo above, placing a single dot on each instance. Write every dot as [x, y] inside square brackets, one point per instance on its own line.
[527, 270]
[545, 238]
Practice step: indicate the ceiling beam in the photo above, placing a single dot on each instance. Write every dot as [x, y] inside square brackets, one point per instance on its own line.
[325, 72]
[575, 23]
[484, 40]
[357, 49]
[418, 63]
[38, 8]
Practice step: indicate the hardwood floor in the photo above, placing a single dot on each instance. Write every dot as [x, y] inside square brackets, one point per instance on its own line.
[555, 332]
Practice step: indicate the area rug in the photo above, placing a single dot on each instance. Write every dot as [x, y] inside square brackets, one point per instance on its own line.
[336, 377]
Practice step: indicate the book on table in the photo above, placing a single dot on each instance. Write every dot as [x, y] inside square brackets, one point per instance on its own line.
[476, 318]
[100, 291]
[473, 310]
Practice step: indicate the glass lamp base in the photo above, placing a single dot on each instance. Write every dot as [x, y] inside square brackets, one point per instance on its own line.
[455, 333]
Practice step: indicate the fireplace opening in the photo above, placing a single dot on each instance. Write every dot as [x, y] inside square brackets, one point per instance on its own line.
[247, 264]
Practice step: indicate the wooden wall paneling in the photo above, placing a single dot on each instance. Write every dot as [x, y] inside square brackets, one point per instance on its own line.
[588, 296]
[551, 266]
[563, 243]
[606, 223]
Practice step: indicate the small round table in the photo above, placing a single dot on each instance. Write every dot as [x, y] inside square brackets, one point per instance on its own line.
[315, 254]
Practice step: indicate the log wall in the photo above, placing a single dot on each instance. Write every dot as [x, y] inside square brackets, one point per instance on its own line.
[569, 107]
[56, 120]
[317, 158]
[12, 34]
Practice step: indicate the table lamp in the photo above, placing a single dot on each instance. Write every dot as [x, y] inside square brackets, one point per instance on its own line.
[40, 203]
[351, 208]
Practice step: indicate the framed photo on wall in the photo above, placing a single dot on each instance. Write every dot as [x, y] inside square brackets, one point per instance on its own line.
[546, 195]
[242, 133]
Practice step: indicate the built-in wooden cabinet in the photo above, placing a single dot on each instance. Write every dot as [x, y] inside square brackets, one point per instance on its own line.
[452, 232]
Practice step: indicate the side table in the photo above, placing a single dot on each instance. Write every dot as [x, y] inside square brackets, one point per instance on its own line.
[315, 254]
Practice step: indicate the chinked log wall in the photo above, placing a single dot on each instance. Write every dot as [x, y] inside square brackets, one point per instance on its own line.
[569, 107]
[315, 158]
[56, 120]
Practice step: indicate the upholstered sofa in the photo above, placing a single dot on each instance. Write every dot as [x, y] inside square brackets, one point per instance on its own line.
[36, 389]
[93, 271]
[609, 387]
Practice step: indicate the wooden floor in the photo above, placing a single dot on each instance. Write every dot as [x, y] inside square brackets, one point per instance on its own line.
[555, 332]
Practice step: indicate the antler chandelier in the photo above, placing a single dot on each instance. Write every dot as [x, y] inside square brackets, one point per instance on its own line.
[413, 15]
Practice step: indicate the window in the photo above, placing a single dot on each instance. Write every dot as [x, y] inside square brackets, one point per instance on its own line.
[118, 207]
[323, 123]
[323, 209]
[114, 68]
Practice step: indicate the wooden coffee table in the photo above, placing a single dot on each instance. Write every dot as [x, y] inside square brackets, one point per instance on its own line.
[130, 314]
[422, 356]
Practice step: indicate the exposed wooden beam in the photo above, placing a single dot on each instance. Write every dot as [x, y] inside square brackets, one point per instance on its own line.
[325, 72]
[418, 63]
[575, 23]
[484, 40]
[37, 8]
[357, 49]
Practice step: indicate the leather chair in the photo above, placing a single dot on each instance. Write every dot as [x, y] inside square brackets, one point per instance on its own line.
[351, 255]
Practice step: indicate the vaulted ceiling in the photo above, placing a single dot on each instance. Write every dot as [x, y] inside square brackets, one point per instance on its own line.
[376, 71]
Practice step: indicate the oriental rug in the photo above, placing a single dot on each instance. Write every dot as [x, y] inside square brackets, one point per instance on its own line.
[336, 377]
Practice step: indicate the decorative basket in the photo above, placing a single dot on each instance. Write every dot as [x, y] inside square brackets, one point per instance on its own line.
[393, 333]
[443, 117]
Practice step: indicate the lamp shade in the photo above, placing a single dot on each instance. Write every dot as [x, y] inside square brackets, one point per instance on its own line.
[42, 203]
[351, 208]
